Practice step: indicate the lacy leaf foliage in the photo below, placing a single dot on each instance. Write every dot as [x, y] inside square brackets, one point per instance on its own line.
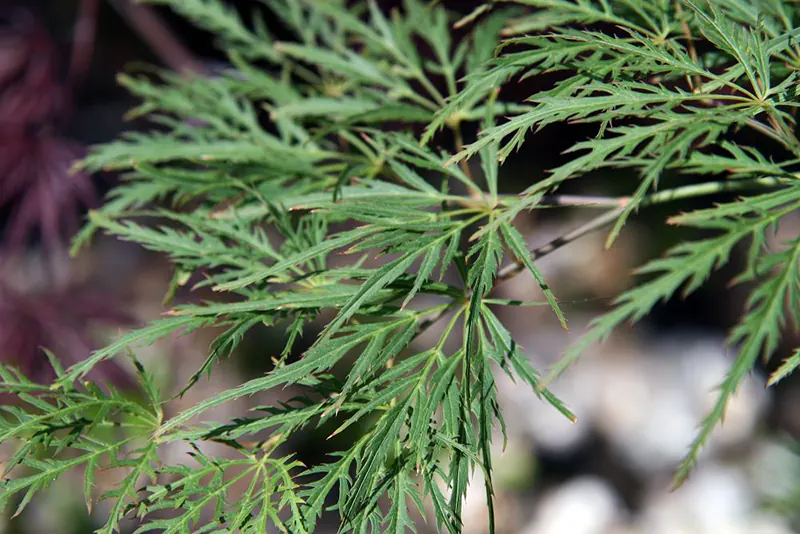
[325, 177]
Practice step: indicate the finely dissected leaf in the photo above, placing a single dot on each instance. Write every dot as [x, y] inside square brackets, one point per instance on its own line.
[735, 40]
[429, 263]
[147, 335]
[378, 351]
[325, 107]
[376, 450]
[398, 517]
[485, 256]
[517, 244]
[379, 280]
[442, 380]
[521, 366]
[630, 99]
[333, 473]
[347, 63]
[72, 425]
[412, 179]
[126, 492]
[340, 240]
[324, 355]
[757, 334]
[155, 149]
[787, 367]
[222, 346]
[207, 486]
[674, 149]
[739, 161]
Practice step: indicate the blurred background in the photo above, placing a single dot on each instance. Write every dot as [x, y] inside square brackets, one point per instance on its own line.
[639, 397]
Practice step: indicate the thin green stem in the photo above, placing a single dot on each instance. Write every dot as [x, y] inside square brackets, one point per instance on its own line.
[426, 83]
[360, 145]
[711, 188]
[424, 102]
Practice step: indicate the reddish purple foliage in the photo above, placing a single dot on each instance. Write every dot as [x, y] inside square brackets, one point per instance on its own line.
[41, 194]
[34, 161]
[30, 90]
[36, 181]
[58, 320]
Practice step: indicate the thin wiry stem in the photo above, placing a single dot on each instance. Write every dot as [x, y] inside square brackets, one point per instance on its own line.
[603, 220]
[588, 201]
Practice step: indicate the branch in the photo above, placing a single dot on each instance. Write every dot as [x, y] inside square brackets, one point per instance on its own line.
[689, 191]
[584, 200]
[511, 270]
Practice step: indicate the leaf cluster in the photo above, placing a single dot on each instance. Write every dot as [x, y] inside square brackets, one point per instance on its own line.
[326, 178]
